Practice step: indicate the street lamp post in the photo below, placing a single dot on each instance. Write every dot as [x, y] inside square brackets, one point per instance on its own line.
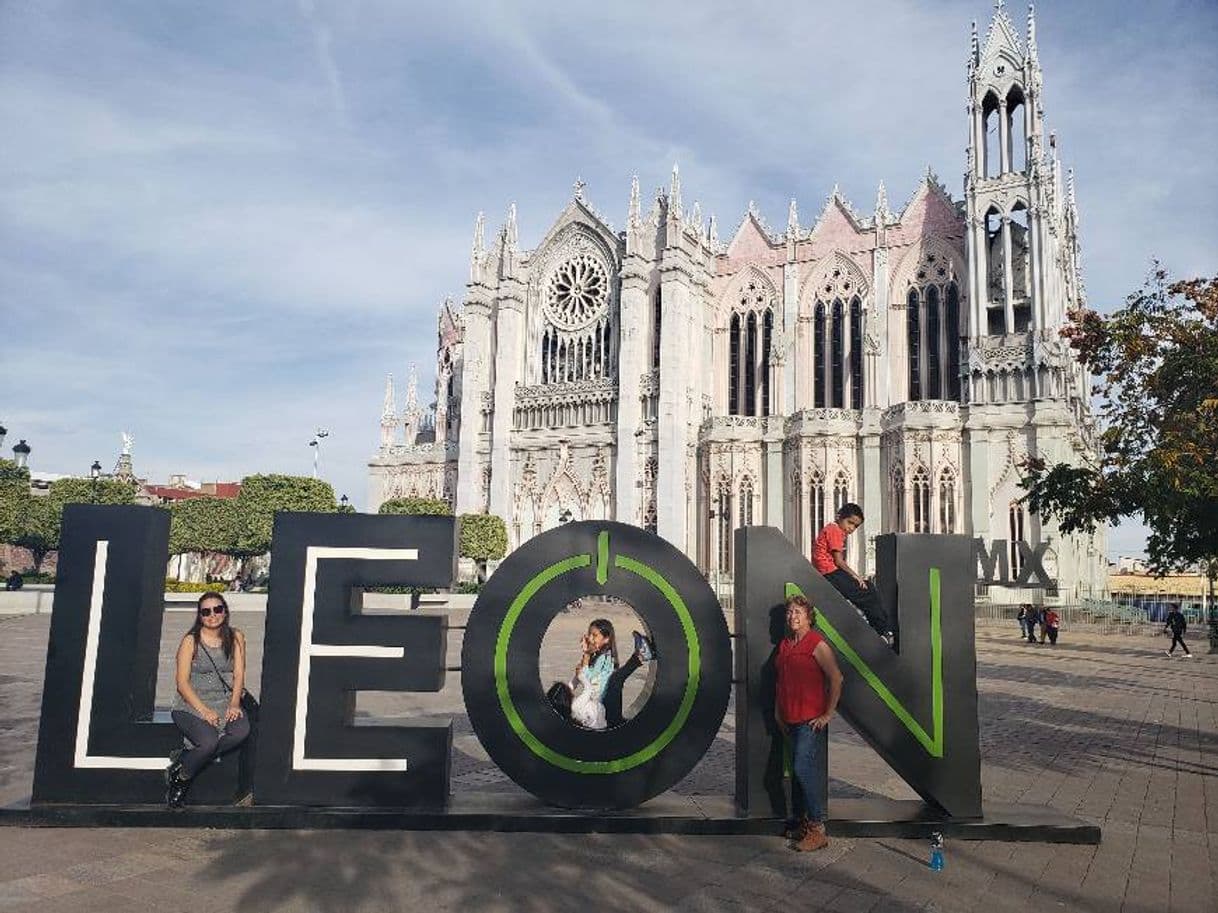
[318, 436]
[94, 475]
[343, 501]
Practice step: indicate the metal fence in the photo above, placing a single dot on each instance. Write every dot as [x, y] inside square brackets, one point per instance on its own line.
[1097, 615]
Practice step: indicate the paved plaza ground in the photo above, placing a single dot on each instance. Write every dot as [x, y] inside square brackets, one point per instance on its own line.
[1103, 727]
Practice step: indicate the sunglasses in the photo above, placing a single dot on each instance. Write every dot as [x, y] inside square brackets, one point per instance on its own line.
[207, 610]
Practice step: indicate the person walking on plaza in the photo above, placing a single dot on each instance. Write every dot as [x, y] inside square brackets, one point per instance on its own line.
[1177, 624]
[1033, 620]
[1049, 626]
[829, 557]
[1022, 618]
[807, 688]
[14, 581]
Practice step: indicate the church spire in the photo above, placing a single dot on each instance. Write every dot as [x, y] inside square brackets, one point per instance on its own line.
[974, 57]
[410, 414]
[634, 216]
[1032, 33]
[510, 237]
[389, 415]
[792, 221]
[477, 249]
[712, 233]
[674, 193]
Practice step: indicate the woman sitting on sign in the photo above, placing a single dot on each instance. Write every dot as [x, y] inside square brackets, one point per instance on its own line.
[808, 687]
[207, 708]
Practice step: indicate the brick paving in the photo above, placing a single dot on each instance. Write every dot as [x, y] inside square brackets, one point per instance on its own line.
[1103, 727]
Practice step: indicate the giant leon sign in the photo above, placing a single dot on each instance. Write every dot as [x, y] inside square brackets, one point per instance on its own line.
[102, 740]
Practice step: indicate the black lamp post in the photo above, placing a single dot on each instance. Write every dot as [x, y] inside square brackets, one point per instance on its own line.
[343, 501]
[565, 516]
[94, 475]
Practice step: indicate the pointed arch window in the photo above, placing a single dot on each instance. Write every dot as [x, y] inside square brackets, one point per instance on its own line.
[751, 330]
[919, 485]
[656, 321]
[947, 501]
[818, 356]
[816, 491]
[750, 365]
[837, 342]
[841, 490]
[952, 320]
[767, 336]
[746, 502]
[898, 500]
[914, 334]
[733, 380]
[933, 380]
[723, 515]
[1015, 529]
[856, 354]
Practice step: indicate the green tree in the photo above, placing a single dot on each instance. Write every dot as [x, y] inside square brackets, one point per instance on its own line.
[1156, 363]
[208, 526]
[34, 522]
[482, 537]
[14, 492]
[433, 507]
[262, 495]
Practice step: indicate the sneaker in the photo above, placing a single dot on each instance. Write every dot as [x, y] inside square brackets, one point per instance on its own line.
[889, 638]
[645, 647]
[1167, 653]
[1188, 656]
[815, 839]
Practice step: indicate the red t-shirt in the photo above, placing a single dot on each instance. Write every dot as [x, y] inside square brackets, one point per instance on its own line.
[800, 693]
[831, 539]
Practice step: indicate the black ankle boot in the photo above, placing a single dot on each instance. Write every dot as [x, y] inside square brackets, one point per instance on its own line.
[174, 770]
[175, 795]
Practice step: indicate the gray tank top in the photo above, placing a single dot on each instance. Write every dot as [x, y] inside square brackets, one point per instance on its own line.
[212, 691]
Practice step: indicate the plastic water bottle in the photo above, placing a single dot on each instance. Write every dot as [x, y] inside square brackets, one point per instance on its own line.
[936, 852]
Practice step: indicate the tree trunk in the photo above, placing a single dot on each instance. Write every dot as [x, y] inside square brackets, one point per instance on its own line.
[1212, 569]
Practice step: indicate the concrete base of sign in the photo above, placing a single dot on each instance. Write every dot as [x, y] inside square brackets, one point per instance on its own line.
[668, 814]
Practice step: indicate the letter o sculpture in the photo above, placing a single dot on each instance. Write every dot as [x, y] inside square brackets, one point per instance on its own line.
[556, 760]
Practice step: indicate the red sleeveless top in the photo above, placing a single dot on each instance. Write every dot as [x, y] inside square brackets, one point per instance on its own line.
[801, 694]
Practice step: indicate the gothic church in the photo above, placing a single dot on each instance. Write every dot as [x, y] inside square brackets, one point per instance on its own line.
[906, 360]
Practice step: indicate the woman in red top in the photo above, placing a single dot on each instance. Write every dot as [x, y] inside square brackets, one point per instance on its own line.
[809, 684]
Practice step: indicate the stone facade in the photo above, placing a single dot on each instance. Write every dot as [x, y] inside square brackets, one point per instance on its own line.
[907, 361]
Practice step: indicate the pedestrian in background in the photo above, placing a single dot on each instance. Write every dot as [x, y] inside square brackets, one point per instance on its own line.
[1050, 626]
[1177, 624]
[1022, 618]
[1033, 620]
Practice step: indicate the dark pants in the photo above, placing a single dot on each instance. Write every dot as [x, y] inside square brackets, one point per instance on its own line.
[1032, 632]
[867, 600]
[1178, 638]
[612, 698]
[1052, 635]
[805, 799]
[208, 742]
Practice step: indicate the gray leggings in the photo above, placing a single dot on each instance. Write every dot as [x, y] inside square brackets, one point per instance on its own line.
[208, 741]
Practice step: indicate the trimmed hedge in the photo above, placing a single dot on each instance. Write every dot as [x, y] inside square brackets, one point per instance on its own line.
[431, 507]
[483, 537]
[194, 586]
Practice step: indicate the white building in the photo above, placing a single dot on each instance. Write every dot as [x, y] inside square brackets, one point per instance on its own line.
[907, 360]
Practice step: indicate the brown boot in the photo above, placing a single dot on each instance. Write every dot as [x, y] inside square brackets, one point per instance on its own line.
[814, 840]
[798, 830]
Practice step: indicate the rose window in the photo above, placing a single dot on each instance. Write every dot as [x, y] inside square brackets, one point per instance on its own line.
[577, 292]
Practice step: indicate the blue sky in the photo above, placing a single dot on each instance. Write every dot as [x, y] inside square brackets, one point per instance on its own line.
[221, 224]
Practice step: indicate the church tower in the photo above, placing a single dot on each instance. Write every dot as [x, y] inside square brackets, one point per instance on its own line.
[1026, 393]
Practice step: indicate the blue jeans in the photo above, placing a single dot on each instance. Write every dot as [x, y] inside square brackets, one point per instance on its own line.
[805, 797]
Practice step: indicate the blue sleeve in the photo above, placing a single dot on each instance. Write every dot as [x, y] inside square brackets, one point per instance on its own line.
[598, 674]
